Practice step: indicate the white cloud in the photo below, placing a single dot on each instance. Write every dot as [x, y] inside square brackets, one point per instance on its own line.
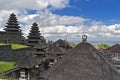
[46, 18]
[32, 4]
[102, 32]
[52, 23]
[59, 3]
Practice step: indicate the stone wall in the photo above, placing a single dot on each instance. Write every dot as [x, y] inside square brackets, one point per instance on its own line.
[3, 36]
[6, 53]
[19, 53]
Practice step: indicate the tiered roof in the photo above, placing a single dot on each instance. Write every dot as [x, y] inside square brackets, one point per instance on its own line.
[13, 30]
[12, 25]
[55, 51]
[35, 35]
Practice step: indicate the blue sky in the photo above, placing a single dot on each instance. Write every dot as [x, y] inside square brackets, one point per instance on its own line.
[107, 11]
[98, 19]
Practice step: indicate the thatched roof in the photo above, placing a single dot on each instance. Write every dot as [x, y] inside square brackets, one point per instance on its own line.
[54, 50]
[114, 49]
[28, 61]
[84, 62]
[40, 46]
[62, 43]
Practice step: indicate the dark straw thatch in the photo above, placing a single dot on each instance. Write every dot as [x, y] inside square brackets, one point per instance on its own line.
[114, 49]
[40, 46]
[53, 51]
[62, 43]
[84, 62]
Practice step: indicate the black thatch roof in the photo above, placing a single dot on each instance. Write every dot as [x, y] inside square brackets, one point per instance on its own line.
[62, 43]
[84, 62]
[28, 61]
[114, 49]
[56, 50]
[40, 46]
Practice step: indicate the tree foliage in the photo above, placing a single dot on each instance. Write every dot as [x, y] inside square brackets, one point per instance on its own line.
[103, 45]
[73, 44]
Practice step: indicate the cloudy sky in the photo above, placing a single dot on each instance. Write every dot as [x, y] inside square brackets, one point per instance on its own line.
[66, 19]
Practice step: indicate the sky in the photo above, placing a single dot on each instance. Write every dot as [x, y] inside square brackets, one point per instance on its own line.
[66, 19]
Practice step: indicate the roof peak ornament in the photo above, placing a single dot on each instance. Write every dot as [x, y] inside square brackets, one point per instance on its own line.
[84, 38]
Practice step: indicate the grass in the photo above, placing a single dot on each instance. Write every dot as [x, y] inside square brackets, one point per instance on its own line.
[5, 66]
[18, 46]
[14, 45]
[2, 43]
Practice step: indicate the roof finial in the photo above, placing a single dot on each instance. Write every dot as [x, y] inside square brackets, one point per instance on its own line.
[84, 38]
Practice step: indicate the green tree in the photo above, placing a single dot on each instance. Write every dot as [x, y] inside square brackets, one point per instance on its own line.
[73, 44]
[103, 45]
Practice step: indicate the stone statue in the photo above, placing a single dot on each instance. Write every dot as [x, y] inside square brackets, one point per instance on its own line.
[84, 38]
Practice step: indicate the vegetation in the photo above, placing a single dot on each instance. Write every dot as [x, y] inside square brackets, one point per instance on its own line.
[18, 46]
[73, 44]
[104, 45]
[4, 66]
[2, 43]
[14, 45]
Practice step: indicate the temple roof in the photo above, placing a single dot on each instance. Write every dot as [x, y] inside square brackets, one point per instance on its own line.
[62, 43]
[53, 51]
[83, 62]
[12, 29]
[35, 35]
[40, 46]
[114, 49]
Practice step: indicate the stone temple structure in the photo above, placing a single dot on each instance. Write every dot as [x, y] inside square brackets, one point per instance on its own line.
[13, 31]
